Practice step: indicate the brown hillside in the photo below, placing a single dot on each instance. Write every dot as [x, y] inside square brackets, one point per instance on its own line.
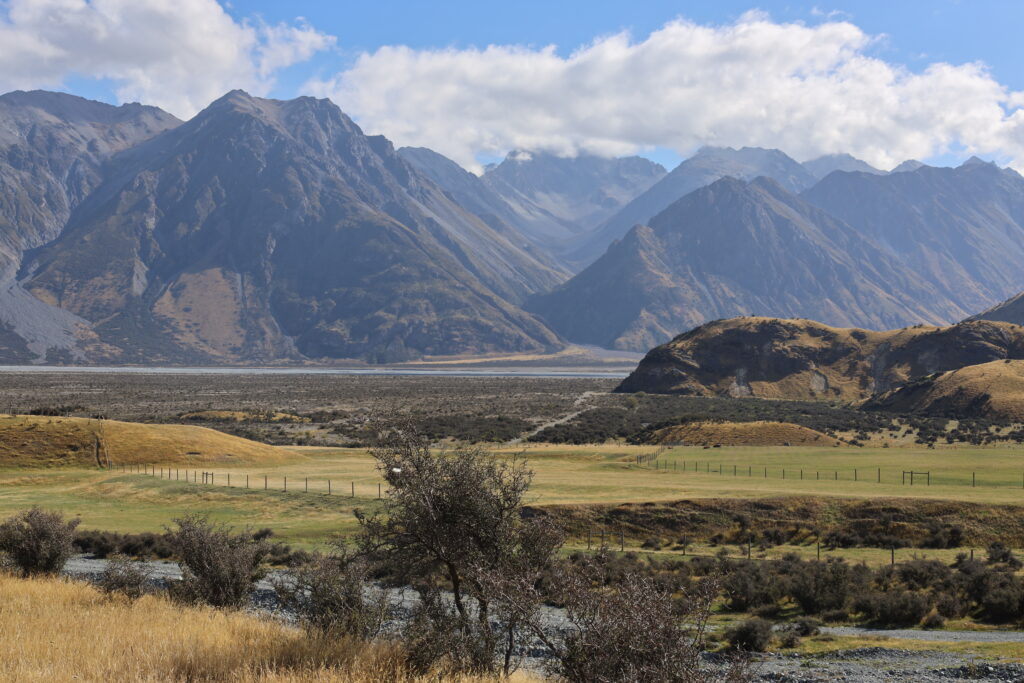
[743, 434]
[803, 359]
[993, 390]
[31, 441]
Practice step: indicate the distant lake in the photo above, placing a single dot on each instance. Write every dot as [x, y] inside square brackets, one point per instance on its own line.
[383, 372]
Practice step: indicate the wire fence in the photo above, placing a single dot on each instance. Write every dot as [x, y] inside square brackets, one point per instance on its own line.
[328, 486]
[875, 475]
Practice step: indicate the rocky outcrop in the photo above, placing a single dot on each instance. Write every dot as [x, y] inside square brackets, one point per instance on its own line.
[803, 359]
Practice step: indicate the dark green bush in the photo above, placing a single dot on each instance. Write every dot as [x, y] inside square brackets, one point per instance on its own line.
[752, 635]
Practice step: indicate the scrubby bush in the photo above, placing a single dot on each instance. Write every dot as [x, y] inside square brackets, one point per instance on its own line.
[219, 567]
[106, 543]
[124, 577]
[752, 635]
[330, 595]
[38, 542]
[821, 586]
[893, 608]
[749, 585]
[998, 553]
[806, 626]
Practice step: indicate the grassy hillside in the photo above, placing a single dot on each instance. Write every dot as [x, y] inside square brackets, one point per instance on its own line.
[38, 441]
[994, 390]
[759, 433]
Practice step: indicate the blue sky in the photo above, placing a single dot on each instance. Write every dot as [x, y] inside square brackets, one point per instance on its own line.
[919, 32]
[336, 51]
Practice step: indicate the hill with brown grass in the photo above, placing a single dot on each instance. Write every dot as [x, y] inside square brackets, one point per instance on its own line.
[803, 359]
[990, 390]
[759, 433]
[34, 441]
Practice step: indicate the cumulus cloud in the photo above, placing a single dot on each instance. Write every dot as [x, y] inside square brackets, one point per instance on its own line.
[807, 89]
[177, 55]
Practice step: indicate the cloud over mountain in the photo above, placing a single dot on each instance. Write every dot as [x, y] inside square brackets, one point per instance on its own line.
[808, 89]
[176, 55]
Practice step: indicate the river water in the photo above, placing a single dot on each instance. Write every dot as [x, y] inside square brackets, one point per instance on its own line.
[392, 372]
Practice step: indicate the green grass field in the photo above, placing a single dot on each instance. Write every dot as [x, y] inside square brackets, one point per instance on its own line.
[580, 475]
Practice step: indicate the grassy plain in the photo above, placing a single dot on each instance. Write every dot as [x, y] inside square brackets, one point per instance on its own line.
[572, 477]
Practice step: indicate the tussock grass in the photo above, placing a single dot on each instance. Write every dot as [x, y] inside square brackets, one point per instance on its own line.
[59, 630]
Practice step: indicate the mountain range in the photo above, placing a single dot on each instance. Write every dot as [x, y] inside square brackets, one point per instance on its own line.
[925, 245]
[278, 231]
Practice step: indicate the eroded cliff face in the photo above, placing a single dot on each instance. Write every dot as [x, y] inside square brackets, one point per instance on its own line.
[802, 359]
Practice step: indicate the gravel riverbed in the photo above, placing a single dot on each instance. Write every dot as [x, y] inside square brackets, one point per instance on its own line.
[859, 665]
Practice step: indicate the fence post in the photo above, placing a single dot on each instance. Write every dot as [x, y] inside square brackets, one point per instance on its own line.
[247, 481]
[378, 491]
[972, 479]
[229, 479]
[264, 482]
[307, 485]
[286, 484]
[328, 487]
[353, 489]
[879, 475]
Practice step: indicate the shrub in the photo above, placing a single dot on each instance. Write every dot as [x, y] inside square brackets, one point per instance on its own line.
[1000, 554]
[123, 576]
[219, 567]
[752, 635]
[806, 626]
[38, 542]
[749, 585]
[821, 586]
[1002, 598]
[933, 620]
[329, 595]
[894, 608]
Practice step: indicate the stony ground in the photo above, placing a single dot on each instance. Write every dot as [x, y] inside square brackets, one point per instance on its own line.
[860, 665]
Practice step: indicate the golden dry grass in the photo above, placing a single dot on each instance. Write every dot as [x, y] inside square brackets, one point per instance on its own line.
[35, 441]
[994, 389]
[760, 433]
[58, 630]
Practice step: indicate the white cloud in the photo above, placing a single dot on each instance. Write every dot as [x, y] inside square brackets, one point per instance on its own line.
[177, 55]
[808, 90]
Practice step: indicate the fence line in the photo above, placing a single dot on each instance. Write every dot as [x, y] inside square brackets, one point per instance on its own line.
[210, 478]
[906, 478]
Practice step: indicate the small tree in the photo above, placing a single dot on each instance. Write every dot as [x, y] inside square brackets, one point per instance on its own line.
[38, 542]
[456, 515]
[218, 566]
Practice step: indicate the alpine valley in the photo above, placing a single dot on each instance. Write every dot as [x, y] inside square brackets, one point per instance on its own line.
[268, 231]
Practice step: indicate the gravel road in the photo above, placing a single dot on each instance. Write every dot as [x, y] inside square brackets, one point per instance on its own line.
[861, 665]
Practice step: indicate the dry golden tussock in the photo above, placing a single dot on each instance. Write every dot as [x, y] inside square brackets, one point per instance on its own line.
[59, 630]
